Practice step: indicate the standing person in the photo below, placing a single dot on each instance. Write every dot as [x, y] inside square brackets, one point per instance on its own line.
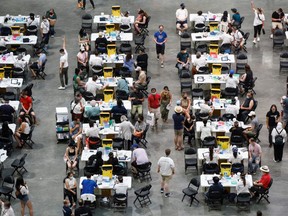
[22, 194]
[160, 38]
[165, 102]
[279, 137]
[6, 209]
[84, 4]
[154, 104]
[178, 119]
[272, 117]
[277, 18]
[284, 103]
[259, 19]
[52, 18]
[44, 29]
[82, 59]
[189, 128]
[63, 66]
[254, 153]
[126, 129]
[82, 210]
[181, 18]
[166, 168]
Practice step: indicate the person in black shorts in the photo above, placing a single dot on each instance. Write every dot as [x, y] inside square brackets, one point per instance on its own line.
[160, 38]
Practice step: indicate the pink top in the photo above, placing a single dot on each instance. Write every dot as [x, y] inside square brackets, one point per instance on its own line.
[255, 150]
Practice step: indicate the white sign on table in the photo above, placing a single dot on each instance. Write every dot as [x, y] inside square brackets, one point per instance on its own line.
[121, 37]
[220, 59]
[110, 19]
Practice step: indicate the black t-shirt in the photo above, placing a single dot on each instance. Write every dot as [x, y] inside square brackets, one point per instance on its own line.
[83, 211]
[101, 40]
[137, 95]
[188, 124]
[276, 15]
[142, 60]
[238, 131]
[272, 118]
[182, 57]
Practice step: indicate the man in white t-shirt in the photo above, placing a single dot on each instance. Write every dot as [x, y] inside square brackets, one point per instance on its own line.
[120, 187]
[95, 60]
[232, 108]
[199, 18]
[181, 18]
[166, 168]
[92, 85]
[44, 27]
[207, 107]
[63, 69]
[226, 38]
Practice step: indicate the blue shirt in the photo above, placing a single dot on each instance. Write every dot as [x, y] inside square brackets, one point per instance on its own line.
[119, 110]
[41, 60]
[92, 111]
[72, 125]
[88, 186]
[236, 17]
[129, 64]
[178, 121]
[160, 36]
[122, 84]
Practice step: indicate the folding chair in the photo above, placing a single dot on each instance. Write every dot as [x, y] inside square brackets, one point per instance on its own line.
[18, 165]
[7, 187]
[40, 72]
[144, 171]
[192, 190]
[142, 195]
[28, 141]
[265, 193]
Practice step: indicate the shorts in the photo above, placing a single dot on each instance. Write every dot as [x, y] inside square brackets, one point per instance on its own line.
[34, 66]
[178, 132]
[25, 198]
[79, 136]
[250, 134]
[160, 49]
[156, 112]
[23, 111]
[166, 179]
[275, 24]
[181, 22]
[23, 136]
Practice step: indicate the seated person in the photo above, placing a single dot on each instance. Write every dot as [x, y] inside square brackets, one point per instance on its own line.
[236, 18]
[129, 62]
[119, 108]
[38, 65]
[189, 128]
[246, 79]
[102, 41]
[8, 110]
[243, 186]
[183, 59]
[226, 38]
[84, 39]
[181, 18]
[254, 153]
[112, 160]
[215, 187]
[232, 108]
[207, 107]
[88, 185]
[212, 157]
[78, 84]
[120, 187]
[76, 132]
[97, 60]
[199, 62]
[22, 132]
[205, 130]
[5, 131]
[238, 38]
[139, 157]
[199, 19]
[136, 97]
[262, 183]
[277, 19]
[26, 106]
[246, 107]
[71, 156]
[92, 85]
[236, 157]
[94, 163]
[140, 20]
[92, 111]
[142, 60]
[236, 130]
[123, 84]
[92, 131]
[232, 82]
[141, 82]
[251, 131]
[125, 19]
[139, 128]
[185, 103]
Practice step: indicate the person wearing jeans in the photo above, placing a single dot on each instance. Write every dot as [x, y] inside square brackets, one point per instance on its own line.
[52, 17]
[63, 70]
[254, 153]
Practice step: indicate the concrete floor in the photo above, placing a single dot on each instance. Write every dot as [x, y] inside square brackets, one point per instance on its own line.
[44, 163]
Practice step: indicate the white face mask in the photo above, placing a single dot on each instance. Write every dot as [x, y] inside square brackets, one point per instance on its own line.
[71, 177]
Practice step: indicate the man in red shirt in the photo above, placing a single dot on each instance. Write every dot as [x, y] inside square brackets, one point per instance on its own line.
[154, 104]
[263, 183]
[26, 106]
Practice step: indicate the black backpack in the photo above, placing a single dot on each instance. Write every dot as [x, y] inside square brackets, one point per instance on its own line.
[279, 138]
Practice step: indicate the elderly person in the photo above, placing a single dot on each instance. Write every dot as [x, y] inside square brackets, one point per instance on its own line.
[139, 128]
[141, 82]
[126, 129]
[181, 18]
[92, 85]
[263, 183]
[254, 124]
[207, 107]
[93, 111]
[279, 137]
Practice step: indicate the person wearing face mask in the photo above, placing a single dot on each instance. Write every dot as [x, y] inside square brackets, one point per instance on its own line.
[82, 59]
[44, 29]
[70, 187]
[139, 128]
[181, 18]
[185, 103]
[63, 70]
[52, 18]
[154, 104]
[183, 59]
[165, 100]
[160, 38]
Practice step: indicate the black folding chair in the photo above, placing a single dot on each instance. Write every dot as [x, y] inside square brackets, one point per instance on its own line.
[18, 165]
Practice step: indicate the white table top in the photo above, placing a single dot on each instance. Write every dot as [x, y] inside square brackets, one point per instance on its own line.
[114, 59]
[218, 60]
[3, 155]
[205, 36]
[219, 126]
[286, 33]
[223, 154]
[11, 83]
[107, 106]
[17, 20]
[209, 78]
[226, 182]
[112, 81]
[12, 126]
[86, 153]
[11, 40]
[123, 37]
[106, 185]
[218, 104]
[103, 131]
[14, 104]
[215, 16]
[8, 59]
[110, 19]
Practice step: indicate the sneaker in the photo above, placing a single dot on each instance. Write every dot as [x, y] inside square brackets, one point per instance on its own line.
[254, 41]
[66, 86]
[167, 195]
[180, 33]
[161, 190]
[258, 38]
[52, 36]
[157, 57]
[162, 65]
[61, 88]
[271, 36]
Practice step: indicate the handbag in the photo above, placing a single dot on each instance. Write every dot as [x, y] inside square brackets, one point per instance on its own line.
[150, 119]
[263, 31]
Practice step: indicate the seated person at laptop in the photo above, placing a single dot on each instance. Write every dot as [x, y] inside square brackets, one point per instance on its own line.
[88, 185]
[92, 111]
[199, 62]
[236, 130]
[8, 111]
[38, 65]
[119, 108]
[236, 157]
[199, 19]
[215, 187]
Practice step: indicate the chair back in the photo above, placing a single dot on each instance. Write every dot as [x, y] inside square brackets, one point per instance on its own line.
[243, 197]
[117, 117]
[197, 92]
[215, 195]
[203, 70]
[145, 131]
[121, 94]
[241, 56]
[259, 129]
[236, 140]
[237, 167]
[22, 159]
[120, 197]
[185, 35]
[190, 153]
[5, 31]
[118, 170]
[94, 142]
[195, 183]
[227, 117]
[88, 96]
[146, 188]
[210, 168]
[8, 181]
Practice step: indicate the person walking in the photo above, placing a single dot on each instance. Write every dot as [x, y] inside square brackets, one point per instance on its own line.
[22, 194]
[63, 70]
[178, 119]
[52, 18]
[154, 104]
[272, 117]
[165, 103]
[84, 4]
[160, 38]
[258, 23]
[279, 137]
[166, 168]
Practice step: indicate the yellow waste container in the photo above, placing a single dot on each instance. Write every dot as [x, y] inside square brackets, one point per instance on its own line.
[108, 95]
[108, 72]
[223, 142]
[104, 117]
[107, 143]
[213, 48]
[2, 73]
[215, 93]
[111, 49]
[107, 170]
[216, 69]
[116, 11]
[213, 26]
[225, 169]
[110, 27]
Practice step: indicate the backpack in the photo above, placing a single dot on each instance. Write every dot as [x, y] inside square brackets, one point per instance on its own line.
[279, 138]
